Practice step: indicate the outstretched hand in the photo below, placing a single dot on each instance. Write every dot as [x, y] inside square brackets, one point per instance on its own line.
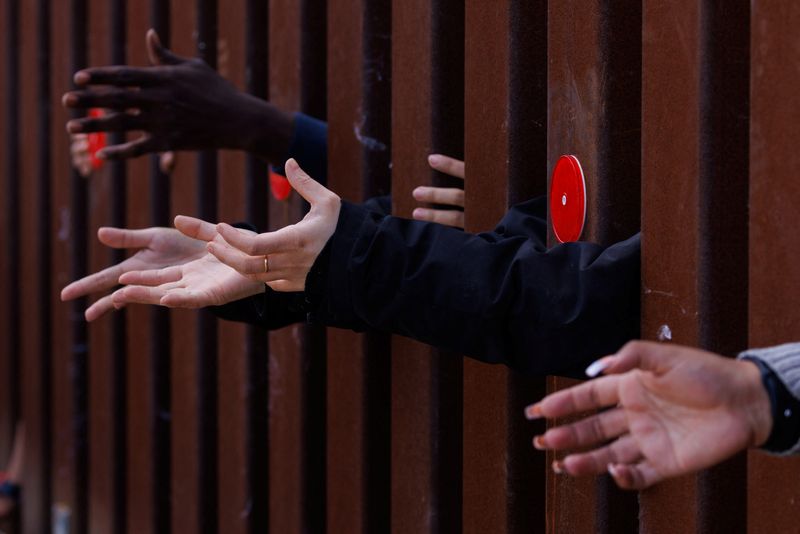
[205, 281]
[446, 196]
[180, 104]
[282, 259]
[158, 248]
[672, 411]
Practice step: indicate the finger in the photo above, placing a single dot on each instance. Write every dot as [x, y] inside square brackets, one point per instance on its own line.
[132, 149]
[99, 308]
[138, 294]
[100, 281]
[79, 145]
[283, 240]
[637, 476]
[125, 238]
[447, 165]
[595, 394]
[121, 76]
[113, 98]
[186, 298]
[156, 52]
[446, 217]
[308, 188]
[450, 196]
[166, 162]
[195, 228]
[624, 450]
[112, 122]
[236, 259]
[645, 355]
[587, 432]
[152, 277]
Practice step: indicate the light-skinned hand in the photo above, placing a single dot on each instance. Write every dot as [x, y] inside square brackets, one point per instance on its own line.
[292, 250]
[672, 410]
[448, 196]
[157, 248]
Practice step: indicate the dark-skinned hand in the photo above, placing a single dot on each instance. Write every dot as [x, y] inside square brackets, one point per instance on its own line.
[180, 104]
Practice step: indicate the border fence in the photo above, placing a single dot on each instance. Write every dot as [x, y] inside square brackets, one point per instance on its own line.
[684, 115]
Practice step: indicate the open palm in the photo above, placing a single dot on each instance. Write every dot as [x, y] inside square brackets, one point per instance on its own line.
[157, 248]
[672, 410]
[202, 282]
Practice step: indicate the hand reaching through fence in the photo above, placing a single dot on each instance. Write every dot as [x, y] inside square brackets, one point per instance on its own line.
[157, 248]
[180, 104]
[204, 281]
[282, 259]
[672, 410]
[447, 196]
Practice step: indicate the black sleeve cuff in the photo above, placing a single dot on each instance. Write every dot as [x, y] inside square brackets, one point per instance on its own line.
[785, 410]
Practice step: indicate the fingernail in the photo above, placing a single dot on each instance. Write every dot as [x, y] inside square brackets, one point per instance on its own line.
[598, 367]
[291, 164]
[534, 411]
[417, 213]
[81, 78]
[69, 99]
[558, 468]
[74, 127]
[434, 159]
[416, 193]
[538, 443]
[613, 470]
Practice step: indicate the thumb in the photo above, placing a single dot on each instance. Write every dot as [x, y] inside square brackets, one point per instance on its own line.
[156, 52]
[309, 189]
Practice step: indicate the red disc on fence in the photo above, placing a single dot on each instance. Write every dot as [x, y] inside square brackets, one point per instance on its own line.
[568, 199]
[96, 140]
[280, 186]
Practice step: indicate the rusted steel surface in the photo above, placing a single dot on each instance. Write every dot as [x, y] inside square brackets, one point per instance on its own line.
[358, 386]
[186, 418]
[232, 377]
[68, 250]
[693, 277]
[774, 274]
[427, 77]
[594, 90]
[505, 161]
[34, 172]
[296, 356]
[9, 270]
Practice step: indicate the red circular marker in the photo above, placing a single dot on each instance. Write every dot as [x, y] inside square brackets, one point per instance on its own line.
[280, 186]
[568, 199]
[96, 140]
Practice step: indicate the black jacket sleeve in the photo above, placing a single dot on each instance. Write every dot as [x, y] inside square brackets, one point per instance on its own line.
[500, 296]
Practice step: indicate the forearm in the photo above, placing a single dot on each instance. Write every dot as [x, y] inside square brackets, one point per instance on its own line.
[497, 297]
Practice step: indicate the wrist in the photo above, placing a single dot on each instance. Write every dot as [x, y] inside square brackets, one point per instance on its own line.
[757, 403]
[267, 130]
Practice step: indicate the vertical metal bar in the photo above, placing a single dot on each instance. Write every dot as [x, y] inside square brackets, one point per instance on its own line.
[35, 262]
[773, 487]
[106, 481]
[232, 363]
[144, 511]
[257, 78]
[186, 462]
[593, 112]
[358, 364]
[9, 285]
[69, 259]
[505, 160]
[159, 318]
[208, 336]
[427, 117]
[693, 273]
